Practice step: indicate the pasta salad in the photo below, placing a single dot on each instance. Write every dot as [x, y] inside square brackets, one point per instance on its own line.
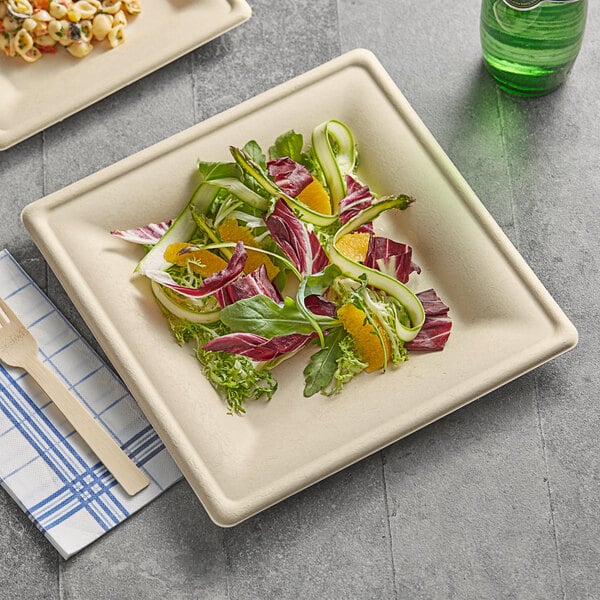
[31, 28]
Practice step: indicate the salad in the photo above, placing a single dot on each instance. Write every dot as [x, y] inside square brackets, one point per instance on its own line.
[276, 253]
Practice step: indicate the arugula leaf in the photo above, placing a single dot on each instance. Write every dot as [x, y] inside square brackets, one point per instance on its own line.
[316, 284]
[288, 144]
[264, 317]
[255, 152]
[218, 170]
[323, 364]
[310, 161]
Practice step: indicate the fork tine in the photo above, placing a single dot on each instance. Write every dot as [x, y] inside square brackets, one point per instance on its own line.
[8, 313]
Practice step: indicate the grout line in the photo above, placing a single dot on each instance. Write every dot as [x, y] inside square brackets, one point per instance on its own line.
[536, 391]
[339, 27]
[548, 487]
[228, 565]
[389, 525]
[61, 591]
[194, 91]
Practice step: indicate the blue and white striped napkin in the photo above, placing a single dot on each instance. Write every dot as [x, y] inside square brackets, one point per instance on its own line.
[44, 465]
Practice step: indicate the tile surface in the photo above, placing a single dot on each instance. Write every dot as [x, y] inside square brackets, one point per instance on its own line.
[498, 500]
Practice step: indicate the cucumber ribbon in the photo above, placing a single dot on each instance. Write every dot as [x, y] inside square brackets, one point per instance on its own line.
[375, 278]
[335, 150]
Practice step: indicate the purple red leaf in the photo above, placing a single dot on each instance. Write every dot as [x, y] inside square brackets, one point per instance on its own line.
[248, 286]
[299, 244]
[436, 330]
[358, 197]
[320, 306]
[257, 347]
[391, 257]
[147, 235]
[289, 176]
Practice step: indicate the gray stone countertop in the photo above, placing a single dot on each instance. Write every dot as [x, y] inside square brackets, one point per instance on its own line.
[501, 499]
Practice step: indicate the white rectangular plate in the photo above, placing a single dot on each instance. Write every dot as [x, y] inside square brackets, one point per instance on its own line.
[35, 96]
[504, 321]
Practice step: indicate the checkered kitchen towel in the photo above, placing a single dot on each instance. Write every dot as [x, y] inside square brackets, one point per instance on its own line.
[44, 465]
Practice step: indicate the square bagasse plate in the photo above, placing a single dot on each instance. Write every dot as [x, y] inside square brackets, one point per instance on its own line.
[35, 96]
[505, 323]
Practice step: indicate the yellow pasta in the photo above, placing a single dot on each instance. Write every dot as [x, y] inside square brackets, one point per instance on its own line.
[101, 25]
[119, 19]
[31, 28]
[23, 42]
[111, 7]
[58, 10]
[79, 49]
[116, 36]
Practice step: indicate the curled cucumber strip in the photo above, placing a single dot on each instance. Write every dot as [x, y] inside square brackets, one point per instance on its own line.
[333, 145]
[181, 230]
[256, 172]
[184, 225]
[239, 190]
[375, 278]
[181, 311]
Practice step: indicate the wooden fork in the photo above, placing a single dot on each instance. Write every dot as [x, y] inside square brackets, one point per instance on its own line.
[18, 348]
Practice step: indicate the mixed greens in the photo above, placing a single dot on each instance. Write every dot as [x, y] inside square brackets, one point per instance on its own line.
[275, 253]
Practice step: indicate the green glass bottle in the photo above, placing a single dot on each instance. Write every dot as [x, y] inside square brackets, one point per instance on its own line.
[529, 46]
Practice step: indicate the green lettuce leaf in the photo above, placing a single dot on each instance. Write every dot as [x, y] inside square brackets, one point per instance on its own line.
[323, 364]
[218, 170]
[288, 144]
[264, 317]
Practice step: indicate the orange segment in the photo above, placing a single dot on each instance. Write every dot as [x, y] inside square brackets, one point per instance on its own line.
[203, 262]
[231, 231]
[354, 245]
[315, 196]
[367, 341]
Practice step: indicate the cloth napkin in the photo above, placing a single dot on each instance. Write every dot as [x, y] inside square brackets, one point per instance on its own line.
[44, 465]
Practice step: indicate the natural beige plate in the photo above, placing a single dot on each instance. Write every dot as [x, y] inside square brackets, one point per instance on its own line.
[505, 322]
[35, 96]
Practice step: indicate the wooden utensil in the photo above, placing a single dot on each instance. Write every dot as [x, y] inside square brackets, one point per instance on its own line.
[18, 348]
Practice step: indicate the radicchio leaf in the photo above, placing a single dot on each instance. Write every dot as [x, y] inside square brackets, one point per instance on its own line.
[290, 176]
[320, 306]
[257, 347]
[436, 329]
[358, 197]
[147, 235]
[299, 244]
[319, 258]
[390, 257]
[212, 283]
[432, 304]
[247, 286]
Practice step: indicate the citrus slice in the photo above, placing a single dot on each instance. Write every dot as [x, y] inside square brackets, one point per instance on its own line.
[203, 262]
[354, 245]
[315, 196]
[231, 231]
[368, 343]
